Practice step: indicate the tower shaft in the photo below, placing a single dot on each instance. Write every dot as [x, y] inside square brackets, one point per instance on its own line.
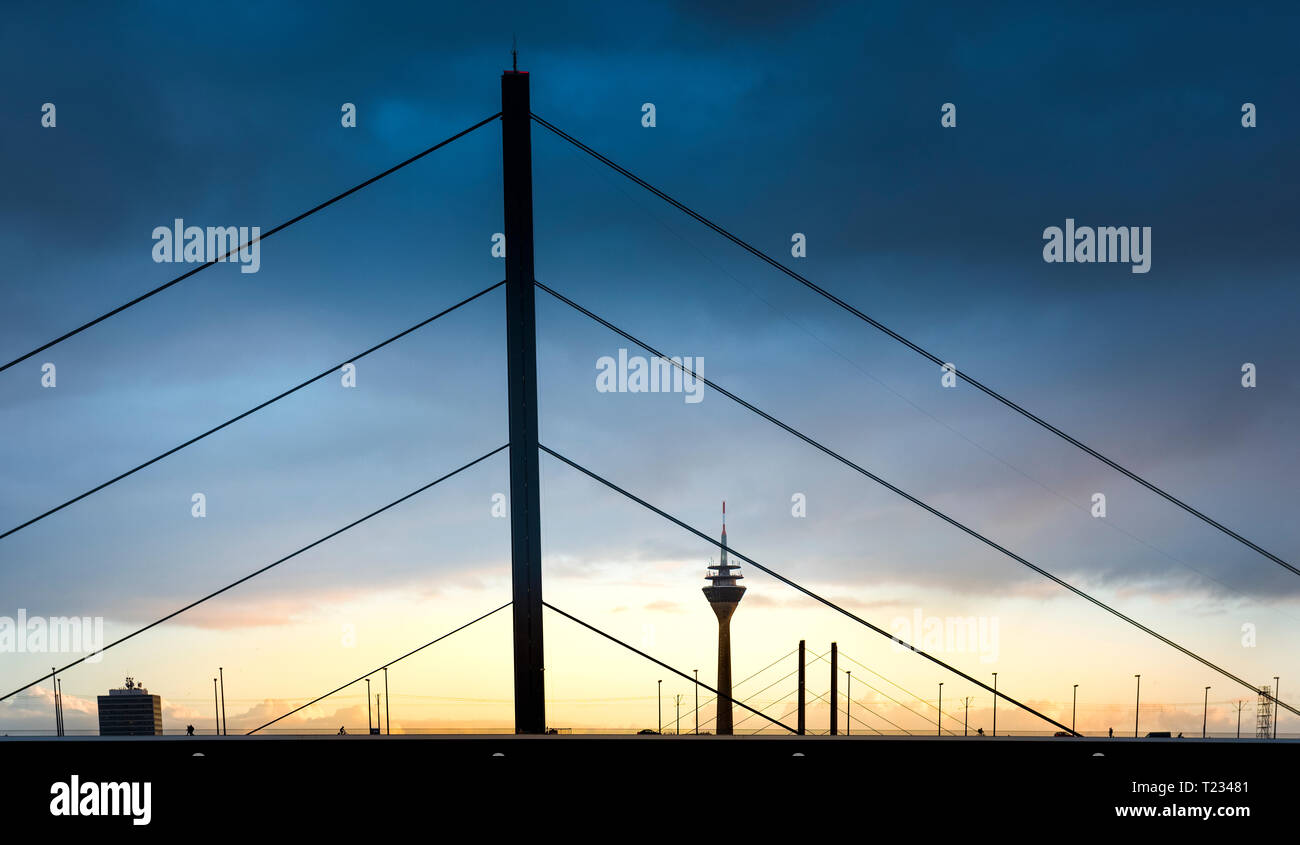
[724, 611]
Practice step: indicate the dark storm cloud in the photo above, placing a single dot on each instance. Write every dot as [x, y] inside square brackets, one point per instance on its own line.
[773, 118]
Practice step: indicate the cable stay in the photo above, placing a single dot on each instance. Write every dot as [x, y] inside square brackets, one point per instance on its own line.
[378, 669]
[249, 412]
[892, 488]
[255, 573]
[286, 224]
[917, 348]
[885, 694]
[636, 650]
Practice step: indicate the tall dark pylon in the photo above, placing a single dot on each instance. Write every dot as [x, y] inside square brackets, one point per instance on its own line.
[521, 370]
[835, 689]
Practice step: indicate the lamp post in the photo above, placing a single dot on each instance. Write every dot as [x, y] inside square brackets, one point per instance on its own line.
[221, 674]
[388, 719]
[938, 720]
[1205, 714]
[1074, 709]
[697, 702]
[1137, 705]
[1239, 705]
[848, 705]
[995, 703]
[368, 722]
[216, 708]
[965, 726]
[661, 705]
[679, 714]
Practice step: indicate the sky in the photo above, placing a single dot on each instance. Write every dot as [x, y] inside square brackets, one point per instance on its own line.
[772, 119]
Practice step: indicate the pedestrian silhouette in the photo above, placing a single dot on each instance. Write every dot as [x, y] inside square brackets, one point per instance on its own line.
[1112, 731]
[189, 730]
[980, 732]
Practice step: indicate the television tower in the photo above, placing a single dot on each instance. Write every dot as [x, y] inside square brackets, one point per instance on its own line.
[724, 595]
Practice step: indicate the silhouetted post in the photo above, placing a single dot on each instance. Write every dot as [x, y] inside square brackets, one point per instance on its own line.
[659, 687]
[801, 683]
[216, 709]
[835, 689]
[1205, 714]
[54, 682]
[1074, 709]
[995, 703]
[1137, 705]
[221, 673]
[848, 704]
[388, 719]
[521, 372]
[378, 715]
[938, 720]
[697, 702]
[59, 689]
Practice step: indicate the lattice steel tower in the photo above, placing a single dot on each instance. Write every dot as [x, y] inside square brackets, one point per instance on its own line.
[1264, 713]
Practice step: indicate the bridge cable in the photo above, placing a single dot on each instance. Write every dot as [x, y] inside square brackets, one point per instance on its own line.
[742, 720]
[250, 411]
[822, 698]
[885, 694]
[830, 603]
[909, 497]
[753, 696]
[739, 684]
[918, 349]
[950, 715]
[379, 669]
[286, 224]
[665, 665]
[254, 574]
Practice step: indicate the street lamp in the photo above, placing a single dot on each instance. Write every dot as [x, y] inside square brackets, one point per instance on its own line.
[995, 703]
[368, 722]
[679, 714]
[388, 719]
[848, 705]
[1205, 714]
[938, 720]
[697, 702]
[1074, 709]
[1137, 705]
[661, 705]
